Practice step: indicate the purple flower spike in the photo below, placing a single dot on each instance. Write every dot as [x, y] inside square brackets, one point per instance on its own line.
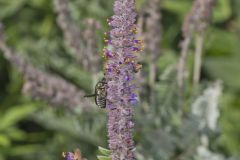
[120, 72]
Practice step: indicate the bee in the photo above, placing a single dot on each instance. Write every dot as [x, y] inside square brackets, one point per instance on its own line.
[100, 93]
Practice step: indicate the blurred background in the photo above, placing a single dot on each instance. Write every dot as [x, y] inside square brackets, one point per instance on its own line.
[51, 57]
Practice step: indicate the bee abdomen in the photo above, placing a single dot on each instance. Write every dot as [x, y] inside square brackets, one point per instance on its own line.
[100, 101]
[101, 93]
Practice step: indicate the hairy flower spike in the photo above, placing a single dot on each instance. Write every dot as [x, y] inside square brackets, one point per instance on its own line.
[120, 67]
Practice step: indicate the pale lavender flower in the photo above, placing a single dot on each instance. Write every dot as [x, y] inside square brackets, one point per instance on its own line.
[198, 18]
[42, 85]
[120, 68]
[71, 30]
[152, 38]
[195, 22]
[82, 41]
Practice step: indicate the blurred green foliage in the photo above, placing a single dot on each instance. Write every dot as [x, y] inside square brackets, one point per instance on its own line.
[33, 130]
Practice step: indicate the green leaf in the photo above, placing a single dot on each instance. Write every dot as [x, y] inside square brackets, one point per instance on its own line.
[16, 134]
[230, 129]
[221, 42]
[37, 3]
[4, 140]
[1, 157]
[167, 59]
[104, 151]
[225, 69]
[15, 114]
[104, 158]
[8, 8]
[222, 11]
[181, 8]
[25, 150]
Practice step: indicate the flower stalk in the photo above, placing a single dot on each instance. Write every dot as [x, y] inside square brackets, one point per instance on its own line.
[153, 39]
[207, 9]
